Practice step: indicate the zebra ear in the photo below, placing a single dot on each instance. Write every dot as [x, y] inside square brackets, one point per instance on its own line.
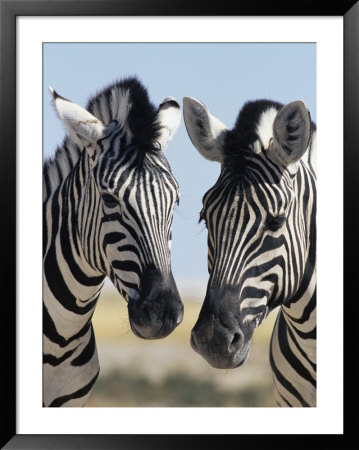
[205, 131]
[291, 133]
[169, 117]
[83, 126]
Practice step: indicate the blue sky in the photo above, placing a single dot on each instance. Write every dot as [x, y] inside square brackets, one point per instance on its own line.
[223, 76]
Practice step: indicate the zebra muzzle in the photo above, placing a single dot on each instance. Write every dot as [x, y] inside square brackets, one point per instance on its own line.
[225, 350]
[159, 309]
[217, 335]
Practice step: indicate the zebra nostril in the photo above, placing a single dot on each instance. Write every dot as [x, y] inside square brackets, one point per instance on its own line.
[146, 313]
[235, 343]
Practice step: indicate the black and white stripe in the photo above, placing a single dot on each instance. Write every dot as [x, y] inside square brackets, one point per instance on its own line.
[109, 195]
[261, 224]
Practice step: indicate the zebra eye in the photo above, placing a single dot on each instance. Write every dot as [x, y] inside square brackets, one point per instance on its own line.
[273, 223]
[109, 201]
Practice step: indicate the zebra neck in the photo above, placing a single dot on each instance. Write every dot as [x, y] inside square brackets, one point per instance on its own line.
[299, 311]
[83, 196]
[300, 315]
[65, 258]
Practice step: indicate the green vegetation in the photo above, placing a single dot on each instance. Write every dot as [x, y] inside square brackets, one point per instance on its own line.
[121, 389]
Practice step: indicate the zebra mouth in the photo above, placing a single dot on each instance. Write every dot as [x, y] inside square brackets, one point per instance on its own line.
[219, 354]
[145, 328]
[243, 357]
[147, 332]
[221, 361]
[135, 331]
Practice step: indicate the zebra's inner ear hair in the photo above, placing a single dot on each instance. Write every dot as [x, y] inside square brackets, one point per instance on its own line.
[205, 131]
[169, 117]
[83, 127]
[291, 133]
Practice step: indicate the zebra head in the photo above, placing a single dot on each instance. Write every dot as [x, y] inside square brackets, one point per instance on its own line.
[125, 198]
[260, 216]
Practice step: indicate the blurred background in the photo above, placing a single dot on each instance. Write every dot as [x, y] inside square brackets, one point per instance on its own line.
[223, 76]
[168, 372]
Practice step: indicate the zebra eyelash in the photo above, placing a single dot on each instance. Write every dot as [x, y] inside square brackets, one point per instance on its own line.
[202, 218]
[109, 200]
[274, 223]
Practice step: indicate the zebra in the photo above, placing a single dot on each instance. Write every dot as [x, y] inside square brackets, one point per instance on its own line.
[261, 221]
[108, 200]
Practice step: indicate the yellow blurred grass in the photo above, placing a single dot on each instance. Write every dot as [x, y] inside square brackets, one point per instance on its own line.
[111, 321]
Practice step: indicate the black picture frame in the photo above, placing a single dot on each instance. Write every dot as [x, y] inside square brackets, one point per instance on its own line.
[9, 10]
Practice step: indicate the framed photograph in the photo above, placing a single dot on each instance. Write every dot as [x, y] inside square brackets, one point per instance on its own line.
[222, 56]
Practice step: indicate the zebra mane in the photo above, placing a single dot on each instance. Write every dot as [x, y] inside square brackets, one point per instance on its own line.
[244, 132]
[239, 141]
[126, 101]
